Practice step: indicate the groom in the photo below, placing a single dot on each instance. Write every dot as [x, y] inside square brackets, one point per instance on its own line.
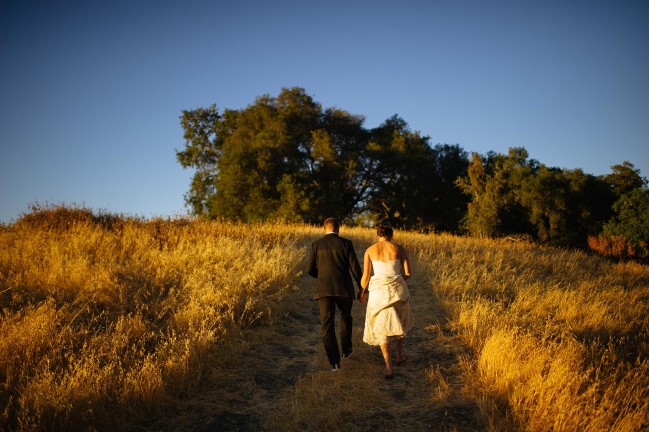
[331, 260]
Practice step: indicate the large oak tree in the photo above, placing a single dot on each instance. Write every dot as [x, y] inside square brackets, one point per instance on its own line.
[279, 158]
[287, 158]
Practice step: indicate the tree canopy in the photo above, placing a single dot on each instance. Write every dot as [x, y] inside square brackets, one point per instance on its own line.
[288, 158]
[511, 194]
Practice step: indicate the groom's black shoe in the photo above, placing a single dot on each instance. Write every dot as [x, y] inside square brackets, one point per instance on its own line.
[348, 354]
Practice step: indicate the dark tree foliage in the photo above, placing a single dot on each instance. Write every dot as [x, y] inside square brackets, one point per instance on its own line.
[511, 194]
[279, 158]
[202, 152]
[414, 183]
[451, 163]
[287, 158]
[565, 205]
[625, 178]
[494, 184]
[631, 220]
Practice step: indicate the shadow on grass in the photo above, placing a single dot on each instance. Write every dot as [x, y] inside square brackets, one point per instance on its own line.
[276, 377]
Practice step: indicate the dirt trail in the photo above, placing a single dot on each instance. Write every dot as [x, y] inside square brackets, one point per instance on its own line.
[277, 378]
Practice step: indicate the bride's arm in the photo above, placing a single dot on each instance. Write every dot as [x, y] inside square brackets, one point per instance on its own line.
[367, 272]
[405, 263]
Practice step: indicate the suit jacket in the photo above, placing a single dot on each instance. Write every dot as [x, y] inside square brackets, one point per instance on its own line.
[332, 261]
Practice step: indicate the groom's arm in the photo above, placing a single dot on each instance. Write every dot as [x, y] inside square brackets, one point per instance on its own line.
[312, 264]
[354, 266]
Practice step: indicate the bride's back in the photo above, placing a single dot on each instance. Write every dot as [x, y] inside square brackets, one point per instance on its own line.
[385, 251]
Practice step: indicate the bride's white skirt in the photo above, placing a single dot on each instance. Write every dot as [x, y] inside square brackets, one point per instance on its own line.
[388, 310]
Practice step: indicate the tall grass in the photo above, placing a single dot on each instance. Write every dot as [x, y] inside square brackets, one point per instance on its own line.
[103, 315]
[104, 320]
[560, 339]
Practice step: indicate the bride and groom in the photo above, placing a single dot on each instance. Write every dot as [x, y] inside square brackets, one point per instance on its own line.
[382, 282]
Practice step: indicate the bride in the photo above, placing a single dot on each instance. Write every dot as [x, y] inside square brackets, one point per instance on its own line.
[388, 308]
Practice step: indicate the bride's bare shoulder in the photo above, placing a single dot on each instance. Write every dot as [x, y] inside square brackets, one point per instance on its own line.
[371, 250]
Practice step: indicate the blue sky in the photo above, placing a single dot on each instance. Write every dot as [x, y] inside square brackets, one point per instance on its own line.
[91, 92]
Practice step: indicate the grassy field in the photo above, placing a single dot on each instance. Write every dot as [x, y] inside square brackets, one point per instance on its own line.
[113, 323]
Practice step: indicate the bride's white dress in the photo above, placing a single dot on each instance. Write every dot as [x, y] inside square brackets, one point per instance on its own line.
[388, 306]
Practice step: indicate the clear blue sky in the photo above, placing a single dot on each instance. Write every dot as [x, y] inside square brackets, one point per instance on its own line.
[91, 91]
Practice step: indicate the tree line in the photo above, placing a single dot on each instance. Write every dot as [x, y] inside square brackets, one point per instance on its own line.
[288, 158]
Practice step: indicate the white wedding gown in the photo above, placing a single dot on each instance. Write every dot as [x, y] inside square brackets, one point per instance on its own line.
[388, 306]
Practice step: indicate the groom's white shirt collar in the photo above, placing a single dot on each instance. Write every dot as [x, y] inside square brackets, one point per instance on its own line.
[331, 232]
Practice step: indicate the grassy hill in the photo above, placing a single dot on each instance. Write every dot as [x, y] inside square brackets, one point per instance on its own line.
[117, 323]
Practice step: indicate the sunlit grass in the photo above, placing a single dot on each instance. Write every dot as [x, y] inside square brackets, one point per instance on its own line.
[106, 320]
[98, 320]
[560, 338]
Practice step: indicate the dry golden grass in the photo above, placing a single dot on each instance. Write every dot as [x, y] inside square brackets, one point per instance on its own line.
[560, 338]
[98, 320]
[122, 324]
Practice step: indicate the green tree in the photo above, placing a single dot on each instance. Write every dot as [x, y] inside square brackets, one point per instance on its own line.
[511, 194]
[203, 152]
[493, 184]
[625, 178]
[399, 157]
[287, 158]
[546, 196]
[565, 206]
[631, 220]
[449, 202]
[282, 157]
[339, 171]
[482, 213]
[412, 182]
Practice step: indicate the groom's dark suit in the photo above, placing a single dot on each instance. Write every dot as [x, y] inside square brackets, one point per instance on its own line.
[332, 261]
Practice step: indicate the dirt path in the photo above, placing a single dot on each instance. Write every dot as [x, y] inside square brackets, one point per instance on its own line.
[277, 378]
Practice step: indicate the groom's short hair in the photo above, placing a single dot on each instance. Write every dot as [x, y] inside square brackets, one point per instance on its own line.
[332, 224]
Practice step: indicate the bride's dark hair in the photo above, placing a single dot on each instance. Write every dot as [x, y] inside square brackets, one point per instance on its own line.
[384, 231]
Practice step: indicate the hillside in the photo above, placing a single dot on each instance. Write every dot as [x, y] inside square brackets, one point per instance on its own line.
[112, 323]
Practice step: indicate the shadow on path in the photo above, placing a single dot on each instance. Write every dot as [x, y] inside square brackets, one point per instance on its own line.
[276, 376]
[426, 392]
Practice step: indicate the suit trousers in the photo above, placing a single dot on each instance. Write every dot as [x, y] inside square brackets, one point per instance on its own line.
[327, 323]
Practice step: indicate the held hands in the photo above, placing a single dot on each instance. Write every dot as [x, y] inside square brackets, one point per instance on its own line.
[362, 296]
